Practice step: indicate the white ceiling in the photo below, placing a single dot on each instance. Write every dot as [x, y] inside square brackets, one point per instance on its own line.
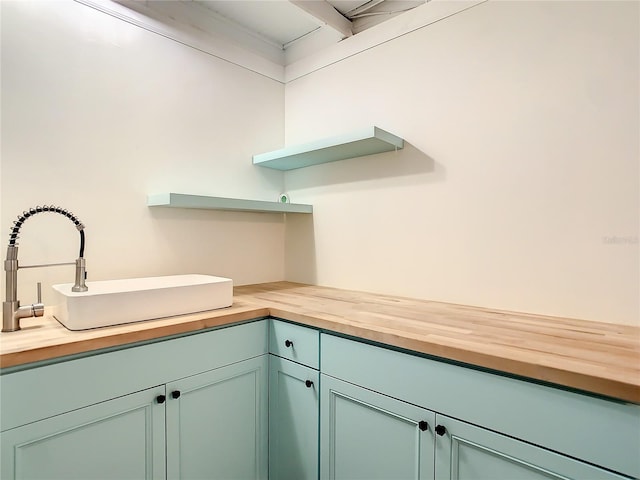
[277, 22]
[288, 29]
[285, 21]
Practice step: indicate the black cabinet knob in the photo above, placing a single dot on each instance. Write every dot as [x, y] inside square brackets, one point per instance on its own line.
[308, 383]
[441, 430]
[160, 398]
[422, 425]
[288, 343]
[175, 394]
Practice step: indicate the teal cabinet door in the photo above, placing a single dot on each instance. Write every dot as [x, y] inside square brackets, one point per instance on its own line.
[293, 420]
[217, 423]
[365, 435]
[467, 452]
[117, 439]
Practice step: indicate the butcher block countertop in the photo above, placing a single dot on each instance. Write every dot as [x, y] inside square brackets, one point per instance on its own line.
[595, 357]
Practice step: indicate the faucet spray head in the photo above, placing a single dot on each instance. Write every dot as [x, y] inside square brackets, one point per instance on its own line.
[81, 275]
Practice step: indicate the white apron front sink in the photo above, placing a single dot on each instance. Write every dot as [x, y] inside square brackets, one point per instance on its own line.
[113, 302]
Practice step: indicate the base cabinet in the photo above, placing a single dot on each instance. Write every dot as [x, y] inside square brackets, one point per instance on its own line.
[294, 401]
[202, 416]
[233, 409]
[293, 420]
[116, 439]
[485, 426]
[217, 424]
[467, 452]
[369, 436]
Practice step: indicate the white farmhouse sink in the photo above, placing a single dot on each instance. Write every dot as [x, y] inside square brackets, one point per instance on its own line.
[114, 302]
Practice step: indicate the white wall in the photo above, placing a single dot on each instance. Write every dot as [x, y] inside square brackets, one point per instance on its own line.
[519, 186]
[96, 114]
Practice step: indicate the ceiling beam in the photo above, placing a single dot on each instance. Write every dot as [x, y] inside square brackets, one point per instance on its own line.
[326, 14]
[363, 8]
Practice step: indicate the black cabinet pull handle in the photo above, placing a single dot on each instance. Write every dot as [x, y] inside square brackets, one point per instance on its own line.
[160, 398]
[288, 343]
[308, 383]
[422, 425]
[175, 394]
[441, 430]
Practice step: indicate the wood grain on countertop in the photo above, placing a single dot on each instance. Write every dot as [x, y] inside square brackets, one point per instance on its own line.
[45, 339]
[596, 357]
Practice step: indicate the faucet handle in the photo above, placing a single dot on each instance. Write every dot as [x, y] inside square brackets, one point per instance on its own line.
[33, 310]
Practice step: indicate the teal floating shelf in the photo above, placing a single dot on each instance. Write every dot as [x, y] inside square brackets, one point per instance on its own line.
[356, 144]
[181, 200]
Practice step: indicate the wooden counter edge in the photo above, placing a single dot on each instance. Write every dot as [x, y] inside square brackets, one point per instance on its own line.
[51, 352]
[255, 308]
[614, 389]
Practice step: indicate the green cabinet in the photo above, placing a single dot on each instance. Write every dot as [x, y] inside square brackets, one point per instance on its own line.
[202, 416]
[272, 399]
[293, 420]
[369, 436]
[217, 423]
[295, 342]
[120, 438]
[485, 425]
[294, 396]
[467, 452]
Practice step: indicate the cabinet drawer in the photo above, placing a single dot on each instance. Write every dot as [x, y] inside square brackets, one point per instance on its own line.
[295, 342]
